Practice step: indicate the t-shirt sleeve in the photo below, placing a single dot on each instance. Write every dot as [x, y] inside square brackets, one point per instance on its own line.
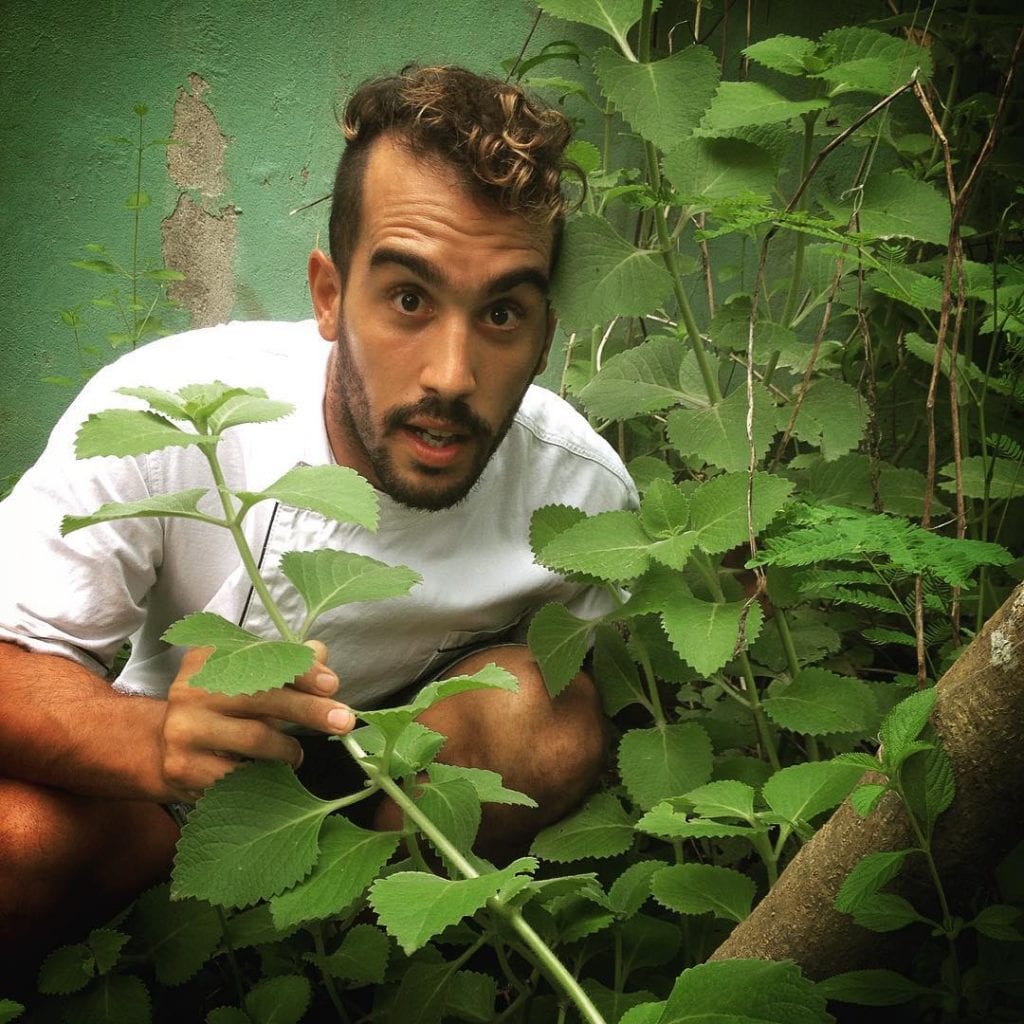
[81, 595]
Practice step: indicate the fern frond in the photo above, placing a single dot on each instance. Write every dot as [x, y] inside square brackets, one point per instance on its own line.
[1006, 446]
[889, 636]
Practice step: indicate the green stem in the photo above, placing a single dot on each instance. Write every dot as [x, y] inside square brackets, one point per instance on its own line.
[229, 951]
[668, 255]
[546, 958]
[234, 524]
[786, 636]
[321, 957]
[793, 296]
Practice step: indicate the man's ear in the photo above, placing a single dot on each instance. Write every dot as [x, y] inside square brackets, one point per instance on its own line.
[542, 362]
[325, 291]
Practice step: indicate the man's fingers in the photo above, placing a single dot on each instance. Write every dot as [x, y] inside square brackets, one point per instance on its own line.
[319, 679]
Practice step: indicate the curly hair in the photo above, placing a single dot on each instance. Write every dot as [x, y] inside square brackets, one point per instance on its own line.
[505, 147]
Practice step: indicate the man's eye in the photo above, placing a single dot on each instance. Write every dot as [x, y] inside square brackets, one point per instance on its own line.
[408, 302]
[503, 316]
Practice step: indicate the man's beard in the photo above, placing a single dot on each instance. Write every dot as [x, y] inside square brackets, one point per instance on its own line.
[355, 420]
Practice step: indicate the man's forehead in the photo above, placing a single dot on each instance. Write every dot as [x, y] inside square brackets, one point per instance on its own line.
[406, 192]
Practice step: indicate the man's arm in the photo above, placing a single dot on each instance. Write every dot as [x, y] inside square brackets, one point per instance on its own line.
[64, 727]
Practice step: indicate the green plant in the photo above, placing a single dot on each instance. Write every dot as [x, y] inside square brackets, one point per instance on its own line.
[137, 298]
[792, 303]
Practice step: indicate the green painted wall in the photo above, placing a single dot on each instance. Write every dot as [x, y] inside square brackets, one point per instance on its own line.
[274, 73]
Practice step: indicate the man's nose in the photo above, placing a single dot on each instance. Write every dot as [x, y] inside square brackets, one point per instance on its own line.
[448, 369]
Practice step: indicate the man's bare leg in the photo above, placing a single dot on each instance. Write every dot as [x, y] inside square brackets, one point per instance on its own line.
[68, 862]
[552, 750]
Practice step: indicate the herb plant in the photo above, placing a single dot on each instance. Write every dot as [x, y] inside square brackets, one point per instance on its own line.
[792, 299]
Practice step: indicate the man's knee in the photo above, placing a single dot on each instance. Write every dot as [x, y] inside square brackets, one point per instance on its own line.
[552, 748]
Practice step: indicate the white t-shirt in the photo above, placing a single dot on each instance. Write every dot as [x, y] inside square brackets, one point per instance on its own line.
[80, 596]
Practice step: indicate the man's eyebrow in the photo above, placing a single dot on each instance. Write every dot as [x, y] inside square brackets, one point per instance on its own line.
[433, 275]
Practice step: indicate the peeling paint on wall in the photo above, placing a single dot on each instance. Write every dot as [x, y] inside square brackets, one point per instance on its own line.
[199, 238]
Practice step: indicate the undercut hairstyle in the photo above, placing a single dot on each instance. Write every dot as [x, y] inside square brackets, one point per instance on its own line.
[506, 148]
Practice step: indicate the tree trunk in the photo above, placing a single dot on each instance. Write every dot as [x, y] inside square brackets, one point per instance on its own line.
[979, 714]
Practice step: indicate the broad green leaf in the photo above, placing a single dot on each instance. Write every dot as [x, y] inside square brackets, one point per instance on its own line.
[601, 275]
[867, 876]
[138, 200]
[819, 702]
[737, 104]
[487, 784]
[665, 821]
[123, 432]
[558, 640]
[10, 1010]
[454, 807]
[601, 829]
[903, 725]
[163, 402]
[864, 799]
[181, 503]
[176, 938]
[228, 1015]
[629, 892]
[801, 791]
[664, 761]
[413, 749]
[705, 171]
[674, 552]
[96, 266]
[1002, 478]
[726, 798]
[615, 17]
[254, 927]
[832, 416]
[928, 785]
[335, 492]
[744, 992]
[640, 380]
[999, 921]
[615, 672]
[114, 999]
[247, 408]
[661, 100]
[422, 993]
[664, 510]
[362, 957]
[471, 996]
[329, 578]
[884, 912]
[548, 522]
[707, 635]
[704, 888]
[280, 1000]
[610, 545]
[645, 1013]
[787, 54]
[717, 434]
[612, 1004]
[847, 481]
[864, 59]
[718, 508]
[898, 206]
[350, 859]
[106, 945]
[242, 662]
[415, 906]
[67, 969]
[872, 987]
[251, 836]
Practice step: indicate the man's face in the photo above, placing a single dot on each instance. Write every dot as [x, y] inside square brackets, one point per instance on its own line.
[441, 324]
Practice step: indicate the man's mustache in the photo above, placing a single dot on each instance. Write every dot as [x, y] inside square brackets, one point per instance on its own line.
[455, 414]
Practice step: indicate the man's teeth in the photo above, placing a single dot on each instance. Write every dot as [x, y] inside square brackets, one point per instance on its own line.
[434, 438]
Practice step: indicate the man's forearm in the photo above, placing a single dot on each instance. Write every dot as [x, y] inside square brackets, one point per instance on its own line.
[62, 726]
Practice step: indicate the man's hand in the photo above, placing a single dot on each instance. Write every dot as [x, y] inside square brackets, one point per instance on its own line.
[205, 734]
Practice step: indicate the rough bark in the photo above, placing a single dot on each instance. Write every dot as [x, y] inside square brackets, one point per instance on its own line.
[979, 713]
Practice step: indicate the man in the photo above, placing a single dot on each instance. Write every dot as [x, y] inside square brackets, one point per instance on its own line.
[431, 320]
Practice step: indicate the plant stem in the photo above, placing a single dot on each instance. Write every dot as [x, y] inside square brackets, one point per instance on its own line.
[786, 636]
[793, 295]
[135, 240]
[545, 956]
[233, 523]
[321, 956]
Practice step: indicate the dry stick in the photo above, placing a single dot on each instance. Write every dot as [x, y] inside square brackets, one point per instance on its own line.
[954, 257]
